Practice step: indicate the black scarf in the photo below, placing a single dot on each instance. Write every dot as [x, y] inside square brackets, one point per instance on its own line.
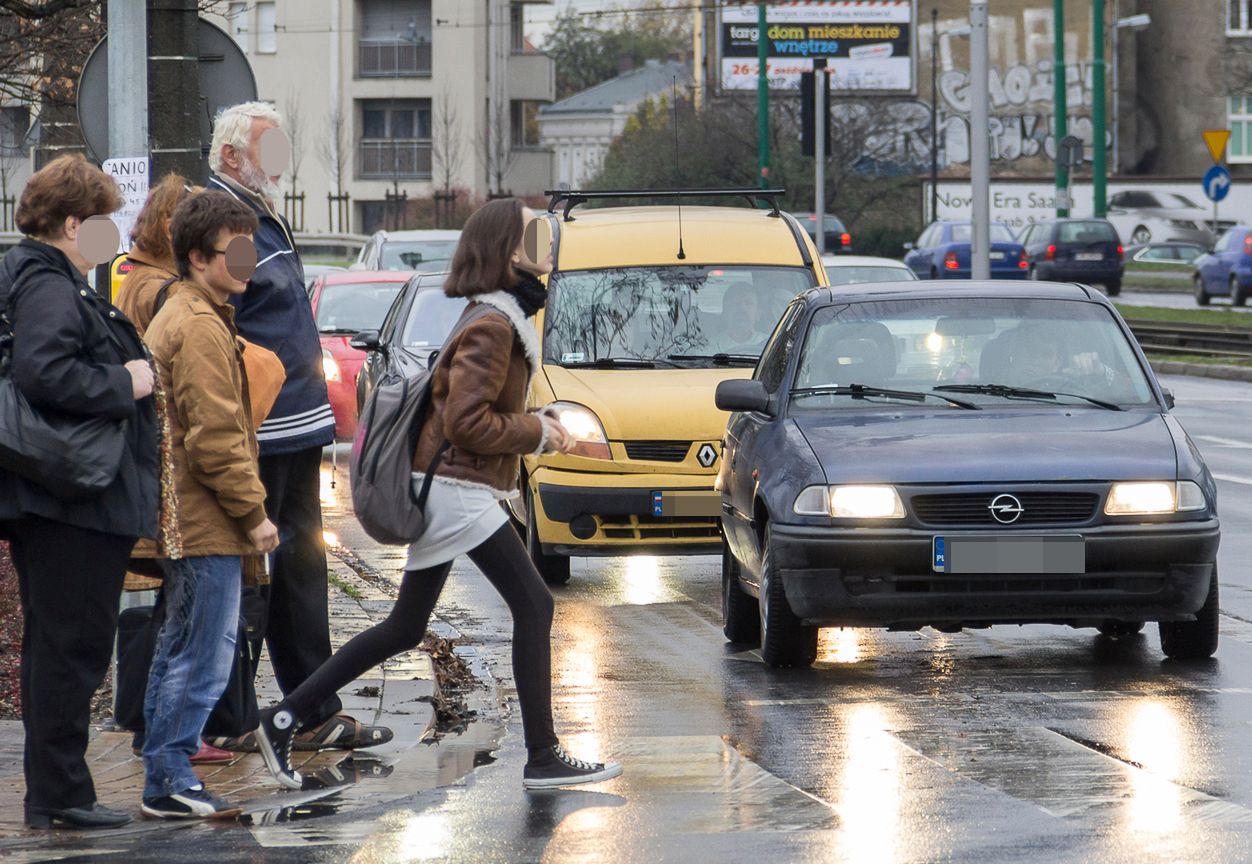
[529, 292]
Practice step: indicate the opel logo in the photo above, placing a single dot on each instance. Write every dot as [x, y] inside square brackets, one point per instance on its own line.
[1005, 509]
[706, 455]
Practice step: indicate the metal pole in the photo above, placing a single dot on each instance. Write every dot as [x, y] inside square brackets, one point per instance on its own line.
[819, 151]
[1059, 109]
[1099, 151]
[128, 79]
[1117, 120]
[980, 142]
[762, 98]
[934, 113]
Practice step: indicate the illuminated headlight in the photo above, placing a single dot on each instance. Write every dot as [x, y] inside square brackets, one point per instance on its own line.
[584, 427]
[329, 367]
[850, 502]
[1144, 499]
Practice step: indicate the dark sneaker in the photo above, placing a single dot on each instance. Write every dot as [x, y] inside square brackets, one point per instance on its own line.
[558, 768]
[274, 737]
[342, 732]
[193, 803]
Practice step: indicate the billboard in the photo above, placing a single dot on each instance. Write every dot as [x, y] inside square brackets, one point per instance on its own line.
[868, 45]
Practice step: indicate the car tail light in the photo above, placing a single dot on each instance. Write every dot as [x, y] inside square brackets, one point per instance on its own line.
[1022, 263]
[949, 261]
[1121, 252]
[1050, 254]
[845, 239]
[1247, 245]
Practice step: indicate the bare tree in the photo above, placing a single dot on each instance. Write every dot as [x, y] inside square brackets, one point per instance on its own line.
[332, 147]
[293, 124]
[446, 152]
[496, 145]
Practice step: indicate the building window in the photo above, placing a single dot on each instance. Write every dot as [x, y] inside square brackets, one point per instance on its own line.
[525, 122]
[237, 15]
[1239, 121]
[395, 139]
[517, 28]
[395, 40]
[266, 29]
[14, 126]
[1239, 17]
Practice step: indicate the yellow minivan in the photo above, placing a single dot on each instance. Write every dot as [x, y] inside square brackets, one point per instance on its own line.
[649, 308]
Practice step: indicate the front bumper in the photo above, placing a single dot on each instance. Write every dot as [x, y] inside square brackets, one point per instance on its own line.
[884, 577]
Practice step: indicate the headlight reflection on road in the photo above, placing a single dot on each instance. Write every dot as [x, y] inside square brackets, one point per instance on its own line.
[839, 645]
[576, 693]
[869, 789]
[642, 584]
[407, 837]
[1155, 740]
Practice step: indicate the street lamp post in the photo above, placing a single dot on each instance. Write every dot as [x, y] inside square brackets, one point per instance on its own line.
[1131, 22]
[979, 142]
[934, 113]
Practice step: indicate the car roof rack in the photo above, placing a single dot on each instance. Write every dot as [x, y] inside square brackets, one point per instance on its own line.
[572, 198]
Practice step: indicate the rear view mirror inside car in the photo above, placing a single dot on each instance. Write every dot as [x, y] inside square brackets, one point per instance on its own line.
[952, 326]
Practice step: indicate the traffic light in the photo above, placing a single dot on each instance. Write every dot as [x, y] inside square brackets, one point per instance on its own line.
[807, 111]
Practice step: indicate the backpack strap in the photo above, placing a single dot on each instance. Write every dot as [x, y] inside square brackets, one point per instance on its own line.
[163, 294]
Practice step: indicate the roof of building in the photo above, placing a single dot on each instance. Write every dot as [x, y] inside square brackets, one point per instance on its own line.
[629, 88]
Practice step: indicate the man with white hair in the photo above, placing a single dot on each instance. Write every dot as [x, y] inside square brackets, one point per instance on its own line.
[247, 158]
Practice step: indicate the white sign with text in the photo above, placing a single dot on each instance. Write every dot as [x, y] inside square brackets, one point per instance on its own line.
[131, 175]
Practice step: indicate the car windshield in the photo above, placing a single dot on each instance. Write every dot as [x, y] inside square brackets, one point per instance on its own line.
[1086, 232]
[1173, 199]
[999, 234]
[837, 275]
[1061, 348]
[424, 256]
[350, 308]
[431, 318]
[686, 316]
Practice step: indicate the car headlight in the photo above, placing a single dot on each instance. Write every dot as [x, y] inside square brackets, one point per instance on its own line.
[584, 427]
[1144, 499]
[850, 502]
[330, 368]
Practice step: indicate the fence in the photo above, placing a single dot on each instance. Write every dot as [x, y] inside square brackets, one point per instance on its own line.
[338, 212]
[392, 58]
[383, 159]
[293, 210]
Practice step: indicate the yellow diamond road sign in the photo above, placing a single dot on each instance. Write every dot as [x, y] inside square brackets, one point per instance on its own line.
[1216, 140]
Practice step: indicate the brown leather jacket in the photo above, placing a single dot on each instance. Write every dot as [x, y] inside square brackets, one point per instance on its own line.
[137, 294]
[478, 400]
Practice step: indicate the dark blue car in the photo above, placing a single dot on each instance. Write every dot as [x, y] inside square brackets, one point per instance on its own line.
[942, 252]
[1227, 270]
[920, 454]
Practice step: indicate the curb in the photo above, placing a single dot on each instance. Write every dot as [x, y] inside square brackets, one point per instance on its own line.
[1202, 370]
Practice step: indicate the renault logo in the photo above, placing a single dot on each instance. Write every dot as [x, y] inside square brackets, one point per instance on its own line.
[706, 455]
[1005, 509]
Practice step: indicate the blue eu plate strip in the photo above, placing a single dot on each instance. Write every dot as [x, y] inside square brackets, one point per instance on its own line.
[656, 504]
[939, 555]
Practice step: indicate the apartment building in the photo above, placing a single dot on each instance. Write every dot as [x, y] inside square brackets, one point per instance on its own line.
[389, 98]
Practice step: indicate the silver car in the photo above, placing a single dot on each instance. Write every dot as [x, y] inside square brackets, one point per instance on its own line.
[1141, 216]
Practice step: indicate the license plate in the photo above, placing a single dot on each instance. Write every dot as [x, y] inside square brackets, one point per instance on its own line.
[1039, 554]
[997, 256]
[686, 502]
[1089, 256]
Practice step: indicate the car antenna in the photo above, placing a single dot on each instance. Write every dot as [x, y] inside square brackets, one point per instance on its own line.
[681, 254]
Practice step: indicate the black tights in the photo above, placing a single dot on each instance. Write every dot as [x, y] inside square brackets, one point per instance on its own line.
[503, 560]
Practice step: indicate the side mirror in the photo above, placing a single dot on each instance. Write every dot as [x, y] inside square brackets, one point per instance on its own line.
[908, 245]
[741, 395]
[1169, 398]
[366, 340]
[356, 266]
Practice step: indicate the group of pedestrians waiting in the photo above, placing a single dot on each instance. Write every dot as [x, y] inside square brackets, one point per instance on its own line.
[212, 361]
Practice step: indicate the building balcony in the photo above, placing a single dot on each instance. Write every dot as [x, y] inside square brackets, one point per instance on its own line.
[401, 159]
[532, 77]
[393, 58]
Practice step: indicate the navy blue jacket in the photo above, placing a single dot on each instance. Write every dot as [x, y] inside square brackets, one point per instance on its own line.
[275, 313]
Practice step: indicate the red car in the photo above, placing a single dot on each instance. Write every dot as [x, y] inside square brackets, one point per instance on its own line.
[343, 305]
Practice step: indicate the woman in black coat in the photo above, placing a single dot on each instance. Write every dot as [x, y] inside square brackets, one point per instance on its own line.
[74, 353]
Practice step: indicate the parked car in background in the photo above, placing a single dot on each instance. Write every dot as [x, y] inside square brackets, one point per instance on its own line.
[1141, 216]
[1075, 250]
[855, 269]
[1227, 270]
[421, 251]
[884, 468]
[312, 271]
[415, 327]
[942, 252]
[343, 305]
[837, 237]
[1165, 253]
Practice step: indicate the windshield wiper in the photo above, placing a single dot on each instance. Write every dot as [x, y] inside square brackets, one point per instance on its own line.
[719, 359]
[1024, 393]
[611, 363]
[860, 391]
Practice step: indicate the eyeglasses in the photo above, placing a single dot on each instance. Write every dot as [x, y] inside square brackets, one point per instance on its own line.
[220, 251]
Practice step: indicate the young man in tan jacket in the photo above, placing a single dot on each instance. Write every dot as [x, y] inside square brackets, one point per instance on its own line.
[221, 502]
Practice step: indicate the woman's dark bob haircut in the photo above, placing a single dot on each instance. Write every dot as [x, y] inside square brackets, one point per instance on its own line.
[483, 260]
[67, 186]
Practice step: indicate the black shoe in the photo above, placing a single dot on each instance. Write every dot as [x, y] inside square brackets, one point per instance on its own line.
[558, 768]
[274, 737]
[94, 815]
[193, 803]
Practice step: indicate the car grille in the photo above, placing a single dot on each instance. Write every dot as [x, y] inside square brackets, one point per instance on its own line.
[1038, 508]
[658, 451]
[646, 527]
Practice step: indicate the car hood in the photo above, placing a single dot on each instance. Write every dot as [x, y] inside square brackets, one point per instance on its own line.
[647, 404]
[1186, 214]
[991, 445]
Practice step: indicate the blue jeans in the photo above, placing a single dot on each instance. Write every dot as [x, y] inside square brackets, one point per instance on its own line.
[190, 666]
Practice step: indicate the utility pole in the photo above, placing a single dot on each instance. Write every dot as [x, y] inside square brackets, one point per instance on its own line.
[979, 142]
[1099, 164]
[128, 79]
[762, 98]
[173, 102]
[820, 106]
[1058, 88]
[934, 113]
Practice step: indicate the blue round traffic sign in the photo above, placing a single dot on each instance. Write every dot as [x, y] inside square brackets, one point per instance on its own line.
[1216, 183]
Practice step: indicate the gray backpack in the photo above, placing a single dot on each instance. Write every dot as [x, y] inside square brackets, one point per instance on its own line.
[382, 453]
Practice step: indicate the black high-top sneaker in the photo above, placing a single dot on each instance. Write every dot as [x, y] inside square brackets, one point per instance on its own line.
[274, 737]
[555, 767]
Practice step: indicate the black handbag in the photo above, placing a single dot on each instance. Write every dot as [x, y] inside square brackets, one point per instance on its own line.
[71, 455]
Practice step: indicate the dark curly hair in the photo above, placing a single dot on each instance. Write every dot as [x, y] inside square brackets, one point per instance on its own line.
[199, 222]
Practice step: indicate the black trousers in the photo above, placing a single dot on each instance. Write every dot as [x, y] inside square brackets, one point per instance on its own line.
[503, 560]
[70, 581]
[296, 625]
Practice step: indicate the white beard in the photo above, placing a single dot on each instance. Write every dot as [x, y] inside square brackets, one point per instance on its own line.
[254, 178]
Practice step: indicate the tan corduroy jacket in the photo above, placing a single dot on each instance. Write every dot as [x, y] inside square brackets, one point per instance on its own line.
[137, 295]
[220, 496]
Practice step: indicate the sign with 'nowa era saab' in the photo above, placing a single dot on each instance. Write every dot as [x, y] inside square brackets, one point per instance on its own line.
[868, 45]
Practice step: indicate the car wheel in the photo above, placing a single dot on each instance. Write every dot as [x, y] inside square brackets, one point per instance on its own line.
[1193, 640]
[553, 568]
[784, 640]
[741, 620]
[1120, 629]
[1238, 296]
[1140, 235]
[1113, 288]
[1201, 296]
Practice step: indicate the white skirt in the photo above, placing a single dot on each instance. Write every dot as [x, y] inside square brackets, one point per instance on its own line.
[459, 518]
